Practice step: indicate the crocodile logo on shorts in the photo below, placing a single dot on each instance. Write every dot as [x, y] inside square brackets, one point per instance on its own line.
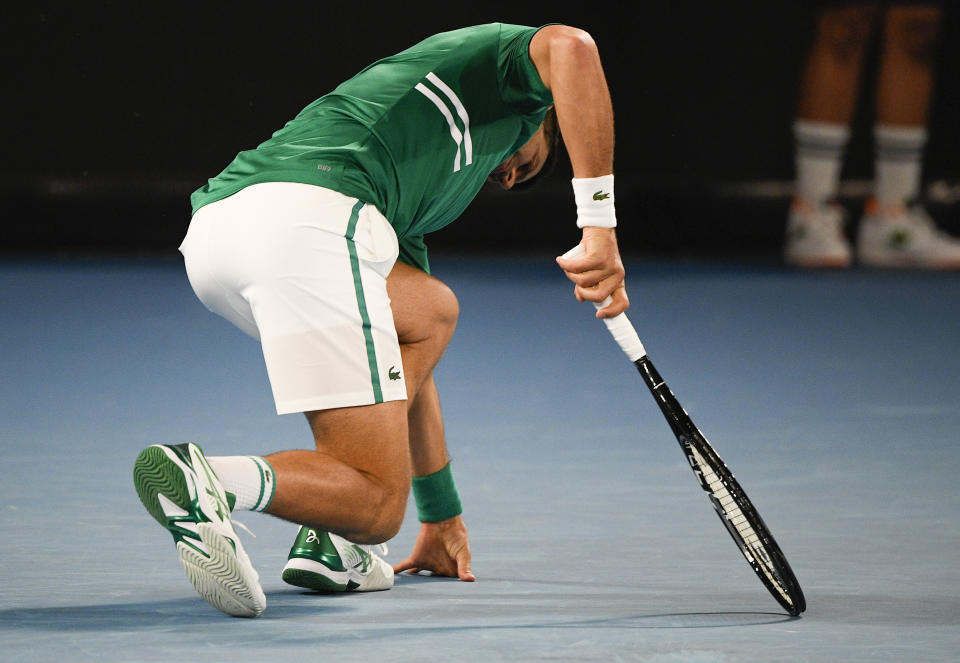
[601, 195]
[393, 374]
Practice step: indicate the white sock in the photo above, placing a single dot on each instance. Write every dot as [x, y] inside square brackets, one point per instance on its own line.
[819, 148]
[899, 157]
[249, 478]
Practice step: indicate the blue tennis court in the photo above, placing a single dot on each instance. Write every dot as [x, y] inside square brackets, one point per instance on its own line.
[834, 397]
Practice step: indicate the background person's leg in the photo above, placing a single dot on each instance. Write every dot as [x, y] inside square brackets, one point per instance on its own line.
[827, 97]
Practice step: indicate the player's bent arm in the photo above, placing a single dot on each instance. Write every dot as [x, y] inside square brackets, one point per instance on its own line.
[568, 62]
[569, 65]
[442, 544]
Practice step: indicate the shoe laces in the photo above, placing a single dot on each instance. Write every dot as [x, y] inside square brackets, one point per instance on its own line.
[246, 529]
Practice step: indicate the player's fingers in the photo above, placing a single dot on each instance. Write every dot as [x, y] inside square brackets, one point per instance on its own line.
[578, 265]
[620, 303]
[597, 292]
[589, 277]
[440, 567]
[610, 287]
[587, 269]
[443, 567]
[463, 566]
[409, 564]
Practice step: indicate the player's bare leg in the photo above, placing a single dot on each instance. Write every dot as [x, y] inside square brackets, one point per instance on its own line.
[356, 481]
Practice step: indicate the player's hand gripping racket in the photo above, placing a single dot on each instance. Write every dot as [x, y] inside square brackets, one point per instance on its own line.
[735, 509]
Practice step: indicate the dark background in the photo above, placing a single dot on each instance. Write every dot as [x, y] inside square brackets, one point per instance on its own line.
[116, 111]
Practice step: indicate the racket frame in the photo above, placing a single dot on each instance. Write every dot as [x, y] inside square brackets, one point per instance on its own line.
[764, 554]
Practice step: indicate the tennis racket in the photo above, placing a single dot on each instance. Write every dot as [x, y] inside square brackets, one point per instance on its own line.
[731, 503]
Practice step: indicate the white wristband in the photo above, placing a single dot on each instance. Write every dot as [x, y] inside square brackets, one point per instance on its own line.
[594, 197]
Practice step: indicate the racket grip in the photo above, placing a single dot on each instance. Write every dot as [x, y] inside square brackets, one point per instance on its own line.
[619, 326]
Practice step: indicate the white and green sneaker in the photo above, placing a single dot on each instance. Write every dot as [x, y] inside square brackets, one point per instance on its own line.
[181, 491]
[329, 563]
[816, 237]
[904, 236]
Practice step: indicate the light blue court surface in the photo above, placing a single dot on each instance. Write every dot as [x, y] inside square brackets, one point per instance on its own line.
[834, 398]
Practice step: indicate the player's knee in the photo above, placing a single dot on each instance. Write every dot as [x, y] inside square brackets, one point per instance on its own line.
[389, 524]
[447, 310]
[387, 517]
[425, 308]
[438, 317]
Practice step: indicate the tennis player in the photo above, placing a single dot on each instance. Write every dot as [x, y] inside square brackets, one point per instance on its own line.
[313, 244]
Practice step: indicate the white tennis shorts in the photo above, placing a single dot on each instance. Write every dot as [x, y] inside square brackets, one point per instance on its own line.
[304, 270]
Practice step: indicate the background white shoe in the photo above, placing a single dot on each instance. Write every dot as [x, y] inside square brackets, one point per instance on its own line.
[905, 237]
[815, 236]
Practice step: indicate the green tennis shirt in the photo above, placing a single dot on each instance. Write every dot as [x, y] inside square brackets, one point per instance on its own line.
[415, 134]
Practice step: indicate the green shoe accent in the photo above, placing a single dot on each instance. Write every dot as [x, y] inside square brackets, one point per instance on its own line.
[326, 562]
[317, 546]
[329, 571]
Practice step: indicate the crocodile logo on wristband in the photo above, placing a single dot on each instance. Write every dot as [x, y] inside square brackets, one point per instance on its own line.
[601, 195]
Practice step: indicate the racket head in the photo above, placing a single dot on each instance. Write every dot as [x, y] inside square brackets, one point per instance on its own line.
[731, 503]
[751, 534]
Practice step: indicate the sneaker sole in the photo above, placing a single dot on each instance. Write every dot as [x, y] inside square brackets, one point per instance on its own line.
[222, 580]
[312, 575]
[154, 472]
[309, 574]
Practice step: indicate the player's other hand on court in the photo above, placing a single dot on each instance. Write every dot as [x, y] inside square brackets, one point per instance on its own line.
[598, 273]
[441, 548]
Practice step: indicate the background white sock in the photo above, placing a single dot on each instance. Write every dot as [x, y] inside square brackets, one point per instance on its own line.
[819, 148]
[899, 157]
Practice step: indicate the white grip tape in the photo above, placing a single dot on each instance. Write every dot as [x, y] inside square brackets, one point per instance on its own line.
[619, 326]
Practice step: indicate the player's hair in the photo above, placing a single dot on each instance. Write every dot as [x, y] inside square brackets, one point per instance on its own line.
[551, 131]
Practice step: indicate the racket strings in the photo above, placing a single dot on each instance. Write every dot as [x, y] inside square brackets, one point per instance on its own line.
[737, 522]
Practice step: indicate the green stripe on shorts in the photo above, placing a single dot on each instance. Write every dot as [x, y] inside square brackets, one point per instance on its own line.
[362, 302]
